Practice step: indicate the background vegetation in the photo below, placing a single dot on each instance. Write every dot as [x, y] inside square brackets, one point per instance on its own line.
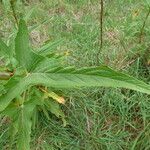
[111, 119]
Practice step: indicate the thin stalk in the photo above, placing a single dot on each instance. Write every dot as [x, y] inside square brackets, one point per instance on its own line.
[101, 30]
[143, 26]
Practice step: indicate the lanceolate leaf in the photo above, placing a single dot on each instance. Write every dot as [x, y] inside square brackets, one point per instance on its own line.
[25, 56]
[21, 122]
[24, 124]
[70, 78]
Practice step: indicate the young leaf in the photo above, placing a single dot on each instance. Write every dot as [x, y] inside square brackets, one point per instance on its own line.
[86, 77]
[25, 56]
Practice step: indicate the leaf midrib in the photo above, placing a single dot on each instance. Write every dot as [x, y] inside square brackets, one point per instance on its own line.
[55, 80]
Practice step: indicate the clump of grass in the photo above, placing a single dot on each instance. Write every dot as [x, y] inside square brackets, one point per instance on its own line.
[104, 118]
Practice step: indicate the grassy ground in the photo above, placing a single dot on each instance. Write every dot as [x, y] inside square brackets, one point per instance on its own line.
[98, 119]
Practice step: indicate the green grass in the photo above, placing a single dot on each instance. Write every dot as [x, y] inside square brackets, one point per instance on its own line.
[98, 119]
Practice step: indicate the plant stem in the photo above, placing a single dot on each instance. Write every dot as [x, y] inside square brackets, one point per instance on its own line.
[101, 31]
[143, 26]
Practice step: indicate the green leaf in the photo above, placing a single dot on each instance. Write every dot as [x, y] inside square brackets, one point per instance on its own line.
[24, 124]
[71, 78]
[45, 112]
[11, 82]
[21, 123]
[25, 56]
[12, 133]
[12, 112]
[47, 64]
[48, 47]
[34, 118]
[55, 109]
